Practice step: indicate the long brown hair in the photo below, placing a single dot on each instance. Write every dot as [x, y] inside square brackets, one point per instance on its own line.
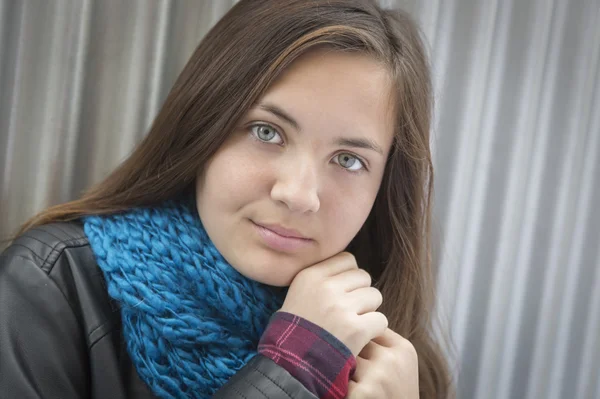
[229, 71]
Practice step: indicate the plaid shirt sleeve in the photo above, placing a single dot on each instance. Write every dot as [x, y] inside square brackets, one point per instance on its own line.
[317, 359]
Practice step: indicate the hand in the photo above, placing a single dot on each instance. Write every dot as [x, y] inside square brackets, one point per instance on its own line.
[337, 296]
[387, 368]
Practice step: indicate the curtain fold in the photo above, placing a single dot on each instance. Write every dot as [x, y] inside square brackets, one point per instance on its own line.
[515, 141]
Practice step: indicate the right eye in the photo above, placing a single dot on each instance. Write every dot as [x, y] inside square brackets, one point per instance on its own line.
[266, 133]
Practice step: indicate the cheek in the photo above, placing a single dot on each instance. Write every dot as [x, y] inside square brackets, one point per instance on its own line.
[345, 213]
[231, 179]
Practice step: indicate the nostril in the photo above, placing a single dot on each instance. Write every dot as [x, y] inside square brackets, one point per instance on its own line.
[297, 186]
[296, 199]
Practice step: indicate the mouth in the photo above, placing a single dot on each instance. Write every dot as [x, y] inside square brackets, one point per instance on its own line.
[282, 231]
[280, 238]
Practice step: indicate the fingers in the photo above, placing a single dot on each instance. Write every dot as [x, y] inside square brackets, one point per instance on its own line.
[362, 366]
[352, 279]
[375, 324]
[368, 352]
[364, 300]
[335, 265]
[352, 388]
[384, 373]
[390, 339]
[336, 295]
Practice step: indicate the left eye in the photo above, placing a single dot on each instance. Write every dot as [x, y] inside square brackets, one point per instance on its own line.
[350, 162]
[266, 133]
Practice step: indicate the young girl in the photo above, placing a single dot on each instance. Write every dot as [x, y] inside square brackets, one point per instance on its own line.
[269, 238]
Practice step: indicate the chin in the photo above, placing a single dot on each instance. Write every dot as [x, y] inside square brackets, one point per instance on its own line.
[269, 272]
[276, 282]
[270, 277]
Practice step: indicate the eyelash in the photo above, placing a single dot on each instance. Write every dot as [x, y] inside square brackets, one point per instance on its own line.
[255, 137]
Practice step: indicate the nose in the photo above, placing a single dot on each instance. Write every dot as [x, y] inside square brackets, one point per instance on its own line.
[297, 187]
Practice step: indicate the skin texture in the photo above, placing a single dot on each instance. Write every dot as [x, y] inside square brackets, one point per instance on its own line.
[296, 179]
[336, 295]
[302, 175]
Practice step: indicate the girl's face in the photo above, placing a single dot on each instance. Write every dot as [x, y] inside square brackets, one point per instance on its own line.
[296, 180]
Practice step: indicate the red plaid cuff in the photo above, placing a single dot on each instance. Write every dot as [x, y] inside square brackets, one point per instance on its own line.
[321, 362]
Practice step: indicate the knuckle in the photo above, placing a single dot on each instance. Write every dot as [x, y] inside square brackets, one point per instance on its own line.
[406, 353]
[384, 322]
[366, 276]
[412, 352]
[379, 295]
[406, 346]
[347, 256]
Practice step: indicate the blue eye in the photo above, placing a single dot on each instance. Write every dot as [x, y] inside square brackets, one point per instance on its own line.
[349, 162]
[266, 133]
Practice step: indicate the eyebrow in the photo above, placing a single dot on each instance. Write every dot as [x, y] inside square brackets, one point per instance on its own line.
[359, 143]
[342, 141]
[278, 112]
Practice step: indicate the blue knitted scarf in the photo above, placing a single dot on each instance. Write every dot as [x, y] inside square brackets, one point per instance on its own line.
[190, 320]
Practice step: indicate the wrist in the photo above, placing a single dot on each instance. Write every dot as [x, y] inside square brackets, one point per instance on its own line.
[321, 362]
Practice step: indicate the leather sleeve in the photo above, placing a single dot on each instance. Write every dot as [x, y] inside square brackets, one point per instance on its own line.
[42, 349]
[261, 378]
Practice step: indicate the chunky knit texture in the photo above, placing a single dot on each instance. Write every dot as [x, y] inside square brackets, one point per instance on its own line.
[190, 320]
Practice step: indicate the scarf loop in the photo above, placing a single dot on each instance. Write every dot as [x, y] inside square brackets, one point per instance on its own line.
[190, 320]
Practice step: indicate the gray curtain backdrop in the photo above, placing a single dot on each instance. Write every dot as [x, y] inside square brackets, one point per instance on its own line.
[516, 145]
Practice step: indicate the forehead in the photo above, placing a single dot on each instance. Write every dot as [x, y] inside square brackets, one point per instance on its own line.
[342, 92]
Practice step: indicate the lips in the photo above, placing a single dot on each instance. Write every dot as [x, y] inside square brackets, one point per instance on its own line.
[282, 231]
[281, 239]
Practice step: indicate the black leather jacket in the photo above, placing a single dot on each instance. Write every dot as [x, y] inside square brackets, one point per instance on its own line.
[60, 334]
